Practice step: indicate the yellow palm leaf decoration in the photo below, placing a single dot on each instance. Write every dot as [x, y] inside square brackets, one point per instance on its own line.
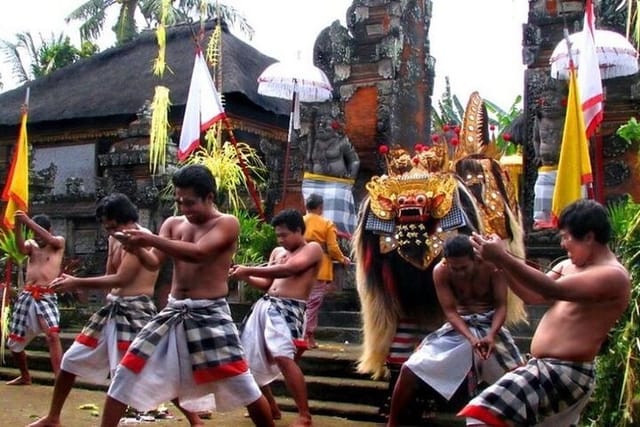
[159, 129]
[159, 63]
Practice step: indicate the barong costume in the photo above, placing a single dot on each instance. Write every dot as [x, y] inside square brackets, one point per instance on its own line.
[273, 328]
[544, 392]
[106, 336]
[32, 302]
[445, 357]
[187, 351]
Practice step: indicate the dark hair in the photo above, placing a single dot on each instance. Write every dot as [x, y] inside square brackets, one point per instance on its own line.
[117, 207]
[458, 246]
[197, 177]
[43, 221]
[290, 218]
[584, 216]
[314, 201]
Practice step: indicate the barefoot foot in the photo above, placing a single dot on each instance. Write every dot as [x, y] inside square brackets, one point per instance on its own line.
[276, 414]
[302, 421]
[20, 381]
[45, 422]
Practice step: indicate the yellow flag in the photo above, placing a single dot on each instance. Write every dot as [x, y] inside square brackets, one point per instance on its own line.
[16, 189]
[574, 167]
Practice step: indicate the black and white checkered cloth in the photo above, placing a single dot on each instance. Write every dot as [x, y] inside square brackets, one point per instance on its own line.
[46, 305]
[338, 203]
[291, 310]
[541, 388]
[543, 190]
[130, 315]
[212, 337]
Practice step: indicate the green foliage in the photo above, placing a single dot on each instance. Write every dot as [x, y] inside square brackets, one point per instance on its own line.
[9, 246]
[93, 14]
[257, 240]
[502, 121]
[449, 112]
[630, 131]
[618, 365]
[30, 59]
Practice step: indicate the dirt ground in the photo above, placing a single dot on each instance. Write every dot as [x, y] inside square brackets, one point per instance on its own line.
[24, 404]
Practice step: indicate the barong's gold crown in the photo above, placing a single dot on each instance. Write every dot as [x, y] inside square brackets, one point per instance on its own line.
[422, 184]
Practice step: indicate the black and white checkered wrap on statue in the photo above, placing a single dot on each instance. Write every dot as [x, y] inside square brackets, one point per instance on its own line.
[338, 202]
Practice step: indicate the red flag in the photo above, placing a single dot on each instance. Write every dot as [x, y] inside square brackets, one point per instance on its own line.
[589, 77]
[203, 108]
[16, 189]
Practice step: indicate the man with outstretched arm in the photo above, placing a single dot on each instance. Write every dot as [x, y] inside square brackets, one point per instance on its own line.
[272, 334]
[191, 348]
[97, 350]
[587, 294]
[36, 309]
[473, 296]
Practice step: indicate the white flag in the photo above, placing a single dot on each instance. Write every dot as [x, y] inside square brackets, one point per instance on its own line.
[589, 78]
[203, 108]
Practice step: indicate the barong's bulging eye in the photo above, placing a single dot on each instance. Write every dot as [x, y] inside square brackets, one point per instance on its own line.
[402, 200]
[421, 199]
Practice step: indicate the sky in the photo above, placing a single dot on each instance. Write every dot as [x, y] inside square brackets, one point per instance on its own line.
[476, 43]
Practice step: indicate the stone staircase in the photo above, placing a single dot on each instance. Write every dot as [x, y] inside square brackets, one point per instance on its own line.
[334, 386]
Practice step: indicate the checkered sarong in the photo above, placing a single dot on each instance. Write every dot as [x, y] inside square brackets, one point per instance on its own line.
[130, 314]
[338, 203]
[445, 357]
[45, 304]
[212, 338]
[543, 190]
[291, 310]
[540, 389]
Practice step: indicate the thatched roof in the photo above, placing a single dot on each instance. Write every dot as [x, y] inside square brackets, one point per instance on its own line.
[117, 81]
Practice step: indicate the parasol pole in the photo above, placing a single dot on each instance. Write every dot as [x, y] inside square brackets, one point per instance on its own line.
[292, 119]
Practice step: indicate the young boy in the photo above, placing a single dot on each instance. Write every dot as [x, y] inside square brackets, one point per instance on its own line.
[36, 309]
[273, 332]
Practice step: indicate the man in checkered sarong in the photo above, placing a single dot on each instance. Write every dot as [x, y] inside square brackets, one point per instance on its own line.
[189, 351]
[36, 309]
[107, 335]
[587, 294]
[272, 334]
[472, 344]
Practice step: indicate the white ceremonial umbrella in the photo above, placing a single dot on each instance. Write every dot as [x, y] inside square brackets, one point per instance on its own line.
[299, 82]
[616, 56]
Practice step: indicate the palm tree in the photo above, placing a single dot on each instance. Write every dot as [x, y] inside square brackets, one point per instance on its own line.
[29, 59]
[93, 14]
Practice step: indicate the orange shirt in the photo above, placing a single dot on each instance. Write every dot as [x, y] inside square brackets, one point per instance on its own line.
[322, 230]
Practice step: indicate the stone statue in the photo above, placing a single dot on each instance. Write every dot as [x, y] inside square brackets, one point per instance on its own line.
[547, 139]
[331, 166]
[329, 152]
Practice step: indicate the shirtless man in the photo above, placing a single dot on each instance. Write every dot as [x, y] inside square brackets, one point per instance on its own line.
[588, 293]
[191, 348]
[473, 296]
[36, 309]
[273, 331]
[98, 349]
